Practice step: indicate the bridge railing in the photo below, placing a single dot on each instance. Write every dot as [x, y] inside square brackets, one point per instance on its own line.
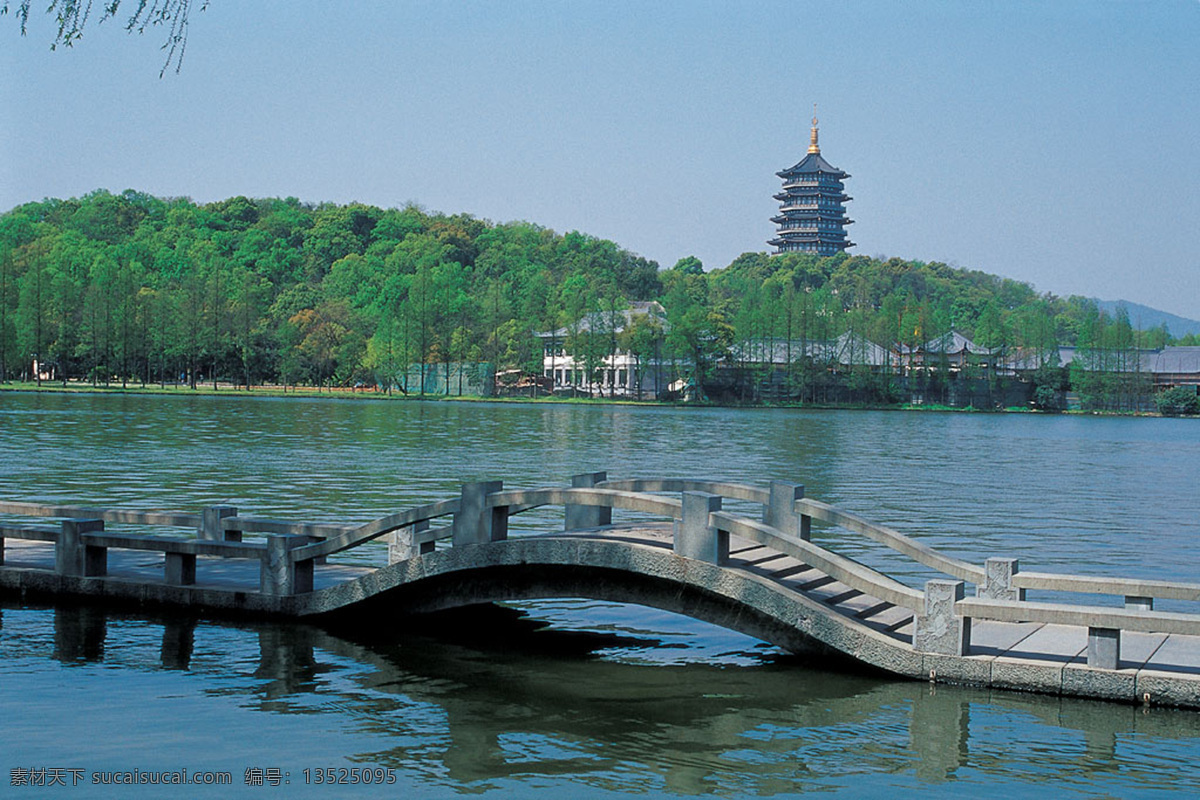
[944, 627]
[410, 530]
[135, 517]
[943, 621]
[733, 491]
[944, 613]
[81, 542]
[847, 570]
[918, 551]
[1138, 594]
[289, 551]
[701, 528]
[482, 511]
[785, 507]
[944, 624]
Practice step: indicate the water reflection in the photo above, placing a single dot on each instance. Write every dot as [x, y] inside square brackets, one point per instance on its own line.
[482, 698]
[525, 709]
[79, 634]
[1114, 495]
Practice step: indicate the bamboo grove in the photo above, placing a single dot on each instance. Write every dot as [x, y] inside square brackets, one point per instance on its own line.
[133, 288]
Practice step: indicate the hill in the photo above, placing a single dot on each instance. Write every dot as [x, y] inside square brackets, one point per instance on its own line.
[134, 287]
[1145, 317]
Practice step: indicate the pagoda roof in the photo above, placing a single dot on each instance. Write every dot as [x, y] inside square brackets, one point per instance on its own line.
[813, 162]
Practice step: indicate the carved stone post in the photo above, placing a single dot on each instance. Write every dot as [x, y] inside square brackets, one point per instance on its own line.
[279, 575]
[475, 523]
[402, 543]
[73, 557]
[211, 528]
[180, 569]
[780, 510]
[582, 517]
[998, 580]
[939, 630]
[1104, 648]
[694, 537]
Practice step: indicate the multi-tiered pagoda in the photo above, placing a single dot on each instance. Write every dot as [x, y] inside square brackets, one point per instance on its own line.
[812, 211]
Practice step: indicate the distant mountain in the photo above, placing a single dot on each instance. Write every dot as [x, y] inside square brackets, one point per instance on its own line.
[1145, 317]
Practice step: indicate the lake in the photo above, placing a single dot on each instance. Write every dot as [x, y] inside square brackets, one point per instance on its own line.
[574, 696]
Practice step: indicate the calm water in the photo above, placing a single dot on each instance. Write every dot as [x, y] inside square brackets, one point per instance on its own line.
[573, 697]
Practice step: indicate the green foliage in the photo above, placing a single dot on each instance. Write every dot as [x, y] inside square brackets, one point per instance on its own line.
[72, 17]
[1045, 398]
[1178, 401]
[132, 287]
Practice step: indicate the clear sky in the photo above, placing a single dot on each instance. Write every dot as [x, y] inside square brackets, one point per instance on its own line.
[1055, 143]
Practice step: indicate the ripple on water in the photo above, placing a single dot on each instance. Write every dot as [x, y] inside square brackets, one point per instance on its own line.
[625, 699]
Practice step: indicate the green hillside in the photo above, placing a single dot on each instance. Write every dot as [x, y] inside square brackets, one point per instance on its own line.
[136, 288]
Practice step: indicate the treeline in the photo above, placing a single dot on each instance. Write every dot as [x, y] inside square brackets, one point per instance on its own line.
[133, 288]
[895, 303]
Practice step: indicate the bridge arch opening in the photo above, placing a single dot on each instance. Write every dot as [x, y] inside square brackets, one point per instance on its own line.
[535, 587]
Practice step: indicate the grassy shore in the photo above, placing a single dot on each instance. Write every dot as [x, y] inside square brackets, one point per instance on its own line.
[342, 393]
[271, 390]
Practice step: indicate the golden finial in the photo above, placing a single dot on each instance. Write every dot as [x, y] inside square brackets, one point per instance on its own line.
[812, 144]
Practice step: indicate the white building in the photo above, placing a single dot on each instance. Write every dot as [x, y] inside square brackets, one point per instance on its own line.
[616, 370]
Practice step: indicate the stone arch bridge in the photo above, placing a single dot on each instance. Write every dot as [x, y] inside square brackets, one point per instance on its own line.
[736, 555]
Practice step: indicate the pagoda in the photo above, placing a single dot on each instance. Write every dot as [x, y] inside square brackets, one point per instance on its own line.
[812, 211]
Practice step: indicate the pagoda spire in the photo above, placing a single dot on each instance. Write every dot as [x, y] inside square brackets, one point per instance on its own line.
[813, 147]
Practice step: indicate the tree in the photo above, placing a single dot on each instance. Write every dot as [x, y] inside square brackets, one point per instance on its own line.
[698, 332]
[73, 17]
[1178, 401]
[7, 302]
[33, 294]
[249, 302]
[643, 338]
[130, 284]
[98, 300]
[329, 347]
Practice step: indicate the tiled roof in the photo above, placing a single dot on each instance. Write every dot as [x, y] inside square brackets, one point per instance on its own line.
[1167, 361]
[599, 320]
[846, 349]
[951, 343]
[1177, 360]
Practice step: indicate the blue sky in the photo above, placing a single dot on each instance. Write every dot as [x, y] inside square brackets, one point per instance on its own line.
[1054, 143]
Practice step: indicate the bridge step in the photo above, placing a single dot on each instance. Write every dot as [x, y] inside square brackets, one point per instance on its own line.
[902, 623]
[791, 571]
[838, 599]
[817, 583]
[756, 560]
[870, 611]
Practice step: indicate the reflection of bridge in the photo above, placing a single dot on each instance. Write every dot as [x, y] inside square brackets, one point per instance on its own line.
[675, 548]
[485, 690]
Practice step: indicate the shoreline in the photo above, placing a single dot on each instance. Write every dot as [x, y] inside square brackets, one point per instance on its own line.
[277, 391]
